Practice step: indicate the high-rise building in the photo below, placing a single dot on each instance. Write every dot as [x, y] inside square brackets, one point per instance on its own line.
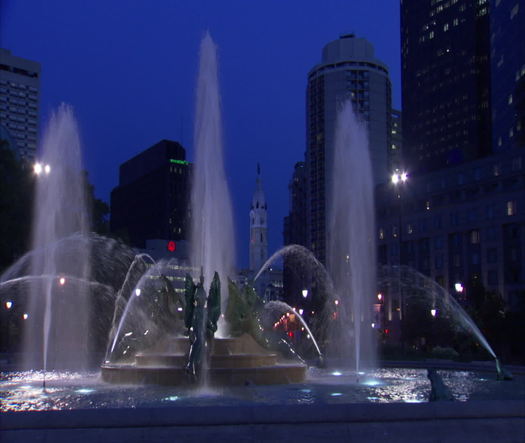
[507, 30]
[445, 82]
[295, 274]
[151, 200]
[348, 70]
[19, 101]
[258, 226]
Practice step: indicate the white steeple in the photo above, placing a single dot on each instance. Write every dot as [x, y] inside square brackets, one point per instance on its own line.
[258, 226]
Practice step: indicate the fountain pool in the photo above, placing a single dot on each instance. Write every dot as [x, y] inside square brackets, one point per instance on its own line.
[22, 391]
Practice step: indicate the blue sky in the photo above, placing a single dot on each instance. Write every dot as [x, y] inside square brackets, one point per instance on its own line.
[129, 68]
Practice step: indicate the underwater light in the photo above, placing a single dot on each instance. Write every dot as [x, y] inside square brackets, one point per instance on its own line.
[85, 391]
[372, 382]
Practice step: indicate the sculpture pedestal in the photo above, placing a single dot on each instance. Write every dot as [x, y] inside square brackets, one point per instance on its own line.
[233, 361]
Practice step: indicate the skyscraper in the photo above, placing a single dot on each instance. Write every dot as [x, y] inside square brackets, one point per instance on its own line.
[258, 226]
[507, 29]
[19, 101]
[151, 200]
[445, 82]
[348, 70]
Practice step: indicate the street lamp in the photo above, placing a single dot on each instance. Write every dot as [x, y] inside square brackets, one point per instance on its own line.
[459, 287]
[39, 168]
[433, 312]
[305, 293]
[399, 177]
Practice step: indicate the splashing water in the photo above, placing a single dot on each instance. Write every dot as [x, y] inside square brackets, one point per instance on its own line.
[59, 313]
[351, 249]
[213, 242]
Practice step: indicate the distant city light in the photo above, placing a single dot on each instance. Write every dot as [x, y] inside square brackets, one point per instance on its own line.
[336, 302]
[47, 169]
[179, 309]
[458, 287]
[179, 162]
[433, 312]
[305, 293]
[25, 316]
[301, 312]
[8, 304]
[373, 325]
[137, 292]
[380, 296]
[62, 281]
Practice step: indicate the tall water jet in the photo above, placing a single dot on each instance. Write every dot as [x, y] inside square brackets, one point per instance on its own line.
[351, 248]
[57, 326]
[212, 239]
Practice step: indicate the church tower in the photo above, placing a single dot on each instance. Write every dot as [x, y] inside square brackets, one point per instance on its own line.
[258, 226]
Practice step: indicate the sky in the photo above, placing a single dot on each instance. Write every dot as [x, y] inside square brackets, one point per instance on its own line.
[129, 69]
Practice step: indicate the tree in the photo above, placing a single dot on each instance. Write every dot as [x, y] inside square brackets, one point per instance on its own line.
[98, 209]
[16, 203]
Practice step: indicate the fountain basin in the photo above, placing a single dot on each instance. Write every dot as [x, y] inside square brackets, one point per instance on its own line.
[233, 361]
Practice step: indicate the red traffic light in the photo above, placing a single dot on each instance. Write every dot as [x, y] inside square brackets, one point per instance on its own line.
[172, 246]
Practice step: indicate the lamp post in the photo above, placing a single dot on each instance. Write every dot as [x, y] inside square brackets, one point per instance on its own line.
[399, 178]
[41, 169]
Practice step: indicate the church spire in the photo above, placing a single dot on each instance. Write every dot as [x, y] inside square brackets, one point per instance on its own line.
[258, 226]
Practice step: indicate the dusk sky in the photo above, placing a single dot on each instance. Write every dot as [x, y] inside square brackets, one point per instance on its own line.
[129, 70]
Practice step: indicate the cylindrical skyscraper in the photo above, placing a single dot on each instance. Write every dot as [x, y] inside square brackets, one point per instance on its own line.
[348, 70]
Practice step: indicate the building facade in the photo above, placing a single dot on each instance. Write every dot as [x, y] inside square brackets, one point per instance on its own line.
[464, 225]
[152, 198]
[395, 151]
[507, 28]
[445, 51]
[295, 274]
[20, 101]
[348, 70]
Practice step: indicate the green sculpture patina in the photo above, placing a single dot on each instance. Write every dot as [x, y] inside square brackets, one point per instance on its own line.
[201, 314]
[214, 306]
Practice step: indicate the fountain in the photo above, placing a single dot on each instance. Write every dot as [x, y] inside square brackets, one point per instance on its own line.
[351, 241]
[232, 360]
[138, 306]
[212, 239]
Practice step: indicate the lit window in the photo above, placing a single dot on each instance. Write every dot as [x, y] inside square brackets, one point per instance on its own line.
[496, 170]
[381, 234]
[511, 207]
[514, 11]
[510, 99]
[445, 27]
[410, 229]
[427, 205]
[474, 237]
